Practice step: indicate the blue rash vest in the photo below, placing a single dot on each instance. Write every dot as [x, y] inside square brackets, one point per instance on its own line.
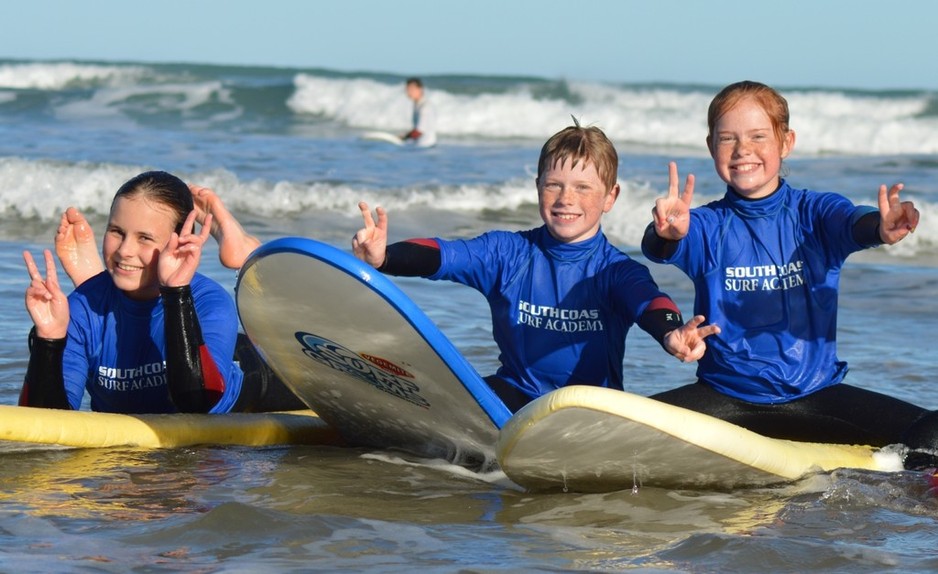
[767, 272]
[115, 348]
[560, 311]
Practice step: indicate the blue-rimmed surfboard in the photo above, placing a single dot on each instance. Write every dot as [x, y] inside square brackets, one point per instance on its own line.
[360, 352]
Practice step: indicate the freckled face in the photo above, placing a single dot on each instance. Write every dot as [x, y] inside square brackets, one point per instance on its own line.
[572, 200]
[137, 230]
[746, 153]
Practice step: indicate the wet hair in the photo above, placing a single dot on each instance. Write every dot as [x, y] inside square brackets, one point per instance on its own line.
[414, 81]
[581, 144]
[163, 188]
[775, 106]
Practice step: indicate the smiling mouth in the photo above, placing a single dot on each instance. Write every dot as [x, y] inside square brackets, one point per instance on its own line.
[566, 216]
[745, 167]
[129, 268]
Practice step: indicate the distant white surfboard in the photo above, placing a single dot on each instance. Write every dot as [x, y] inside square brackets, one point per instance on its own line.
[383, 137]
[596, 439]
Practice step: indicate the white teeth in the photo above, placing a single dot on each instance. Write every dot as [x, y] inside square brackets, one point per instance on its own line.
[746, 167]
[123, 267]
[565, 216]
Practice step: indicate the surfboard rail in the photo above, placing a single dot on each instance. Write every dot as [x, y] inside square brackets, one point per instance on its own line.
[88, 429]
[597, 439]
[380, 136]
[362, 354]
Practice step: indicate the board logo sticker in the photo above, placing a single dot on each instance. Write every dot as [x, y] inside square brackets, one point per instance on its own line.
[337, 357]
[386, 365]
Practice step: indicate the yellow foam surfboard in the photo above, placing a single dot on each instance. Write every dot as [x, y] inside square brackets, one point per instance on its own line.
[595, 439]
[90, 429]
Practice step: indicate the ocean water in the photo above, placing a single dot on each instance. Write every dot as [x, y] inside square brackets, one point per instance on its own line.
[283, 149]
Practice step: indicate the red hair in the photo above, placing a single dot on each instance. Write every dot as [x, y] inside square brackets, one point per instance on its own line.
[775, 106]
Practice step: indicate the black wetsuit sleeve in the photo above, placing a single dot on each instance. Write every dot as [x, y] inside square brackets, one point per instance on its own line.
[412, 258]
[44, 385]
[185, 368]
[866, 230]
[660, 318]
[657, 246]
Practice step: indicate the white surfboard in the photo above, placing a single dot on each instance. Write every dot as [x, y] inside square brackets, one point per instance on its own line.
[355, 348]
[595, 439]
[383, 137]
[95, 430]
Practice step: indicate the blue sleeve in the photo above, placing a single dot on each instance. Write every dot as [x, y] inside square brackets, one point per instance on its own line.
[475, 262]
[633, 289]
[836, 216]
[693, 262]
[76, 368]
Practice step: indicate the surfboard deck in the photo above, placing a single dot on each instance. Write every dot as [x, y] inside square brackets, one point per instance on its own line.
[593, 439]
[383, 137]
[354, 347]
[95, 430]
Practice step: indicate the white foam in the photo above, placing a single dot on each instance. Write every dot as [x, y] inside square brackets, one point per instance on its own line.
[43, 189]
[496, 476]
[58, 75]
[826, 121]
[174, 97]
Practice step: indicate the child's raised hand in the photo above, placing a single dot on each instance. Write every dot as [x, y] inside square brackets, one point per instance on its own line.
[370, 243]
[672, 213]
[687, 342]
[898, 218]
[45, 301]
[180, 258]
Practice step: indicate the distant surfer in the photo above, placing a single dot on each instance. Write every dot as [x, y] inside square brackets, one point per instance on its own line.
[423, 130]
[765, 261]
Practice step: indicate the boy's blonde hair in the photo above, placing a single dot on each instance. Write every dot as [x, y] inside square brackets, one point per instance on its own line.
[775, 106]
[578, 144]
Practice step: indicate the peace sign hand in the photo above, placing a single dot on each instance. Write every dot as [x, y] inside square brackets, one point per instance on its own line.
[46, 303]
[370, 243]
[899, 218]
[672, 213]
[180, 258]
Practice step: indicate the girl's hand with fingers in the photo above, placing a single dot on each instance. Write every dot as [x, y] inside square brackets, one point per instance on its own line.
[672, 213]
[179, 260]
[46, 303]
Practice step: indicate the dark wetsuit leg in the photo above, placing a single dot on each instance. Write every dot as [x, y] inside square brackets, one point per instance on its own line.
[261, 390]
[838, 414]
[924, 432]
[513, 398]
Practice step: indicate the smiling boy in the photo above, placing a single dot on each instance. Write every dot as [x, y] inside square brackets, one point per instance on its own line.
[562, 298]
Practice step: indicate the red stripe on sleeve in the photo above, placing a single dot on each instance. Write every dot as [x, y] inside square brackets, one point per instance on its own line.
[662, 303]
[214, 383]
[431, 243]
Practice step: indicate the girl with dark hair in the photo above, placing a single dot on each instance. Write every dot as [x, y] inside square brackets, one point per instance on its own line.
[148, 334]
